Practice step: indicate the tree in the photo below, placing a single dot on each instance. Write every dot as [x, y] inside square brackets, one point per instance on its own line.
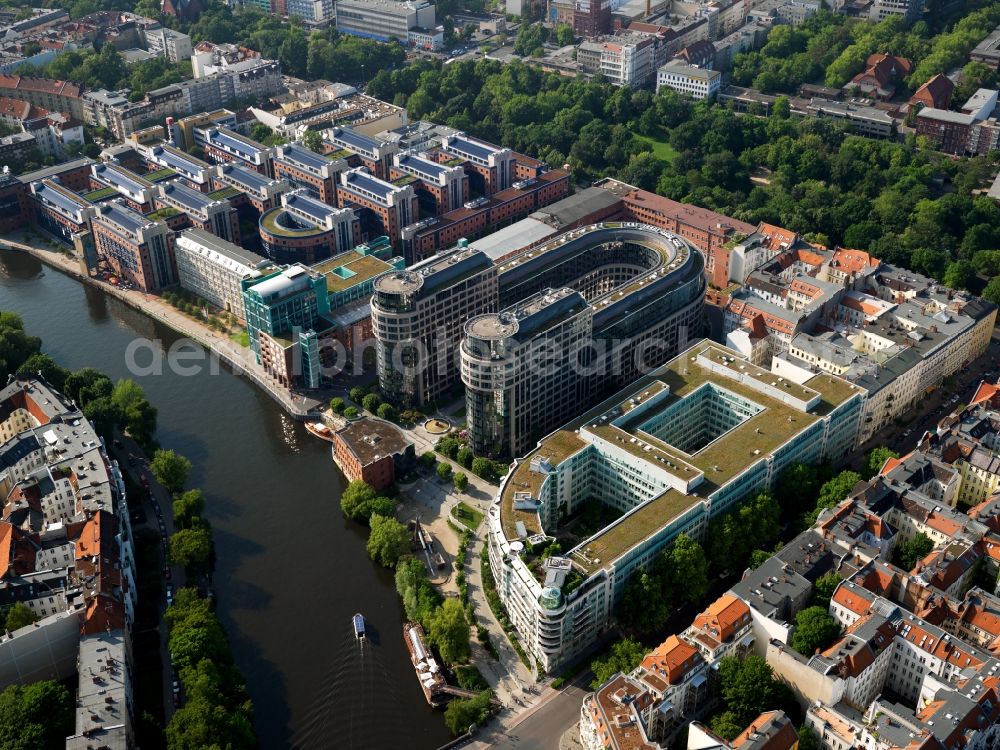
[187, 507]
[625, 656]
[428, 459]
[460, 480]
[565, 35]
[748, 687]
[877, 458]
[907, 554]
[465, 456]
[448, 630]
[357, 394]
[444, 471]
[43, 365]
[462, 713]
[387, 412]
[313, 140]
[38, 716]
[808, 738]
[483, 467]
[337, 405]
[833, 492]
[687, 570]
[170, 469]
[991, 293]
[359, 502]
[191, 548]
[824, 587]
[815, 629]
[351, 412]
[420, 598]
[960, 274]
[19, 615]
[389, 540]
[758, 557]
[15, 345]
[644, 606]
[726, 725]
[370, 402]
[136, 415]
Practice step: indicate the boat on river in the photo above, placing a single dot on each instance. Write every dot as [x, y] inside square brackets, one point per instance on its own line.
[359, 626]
[320, 430]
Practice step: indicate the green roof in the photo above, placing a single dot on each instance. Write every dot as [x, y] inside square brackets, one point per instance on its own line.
[225, 193]
[100, 194]
[163, 213]
[160, 174]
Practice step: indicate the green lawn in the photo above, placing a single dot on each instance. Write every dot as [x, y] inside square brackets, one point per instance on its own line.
[661, 149]
[468, 515]
[241, 337]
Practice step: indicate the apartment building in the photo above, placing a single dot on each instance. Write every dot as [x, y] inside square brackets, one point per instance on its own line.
[167, 43]
[382, 207]
[305, 169]
[543, 320]
[54, 96]
[214, 269]
[305, 230]
[671, 452]
[698, 83]
[133, 247]
[312, 12]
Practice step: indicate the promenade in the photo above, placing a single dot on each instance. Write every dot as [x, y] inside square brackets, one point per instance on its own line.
[238, 357]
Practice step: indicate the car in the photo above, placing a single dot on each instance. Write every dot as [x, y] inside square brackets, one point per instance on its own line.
[170, 597]
[175, 687]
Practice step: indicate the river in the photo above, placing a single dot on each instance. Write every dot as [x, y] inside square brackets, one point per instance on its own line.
[291, 570]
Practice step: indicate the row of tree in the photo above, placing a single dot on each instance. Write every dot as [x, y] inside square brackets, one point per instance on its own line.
[105, 403]
[904, 203]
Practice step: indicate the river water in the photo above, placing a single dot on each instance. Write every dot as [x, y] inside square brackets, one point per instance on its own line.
[291, 570]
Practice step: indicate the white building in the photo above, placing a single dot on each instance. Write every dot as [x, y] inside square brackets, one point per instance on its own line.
[173, 45]
[689, 80]
[312, 12]
[384, 19]
[622, 60]
[213, 268]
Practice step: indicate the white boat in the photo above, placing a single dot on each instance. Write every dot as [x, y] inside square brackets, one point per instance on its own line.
[359, 626]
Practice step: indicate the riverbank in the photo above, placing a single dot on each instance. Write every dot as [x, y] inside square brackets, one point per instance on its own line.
[298, 406]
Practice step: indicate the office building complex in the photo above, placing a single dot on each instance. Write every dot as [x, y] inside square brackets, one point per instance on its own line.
[133, 247]
[684, 444]
[303, 168]
[439, 188]
[305, 230]
[284, 310]
[624, 61]
[214, 269]
[362, 150]
[698, 83]
[263, 192]
[382, 207]
[910, 10]
[136, 191]
[196, 209]
[196, 172]
[222, 145]
[613, 326]
[384, 19]
[417, 316]
[62, 212]
[490, 169]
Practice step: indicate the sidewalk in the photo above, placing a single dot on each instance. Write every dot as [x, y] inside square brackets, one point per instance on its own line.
[238, 357]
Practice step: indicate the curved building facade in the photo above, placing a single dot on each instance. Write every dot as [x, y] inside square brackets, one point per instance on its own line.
[305, 230]
[582, 316]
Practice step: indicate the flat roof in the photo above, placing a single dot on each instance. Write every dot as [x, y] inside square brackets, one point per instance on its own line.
[372, 439]
[720, 461]
[40, 174]
[222, 247]
[360, 268]
[514, 238]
